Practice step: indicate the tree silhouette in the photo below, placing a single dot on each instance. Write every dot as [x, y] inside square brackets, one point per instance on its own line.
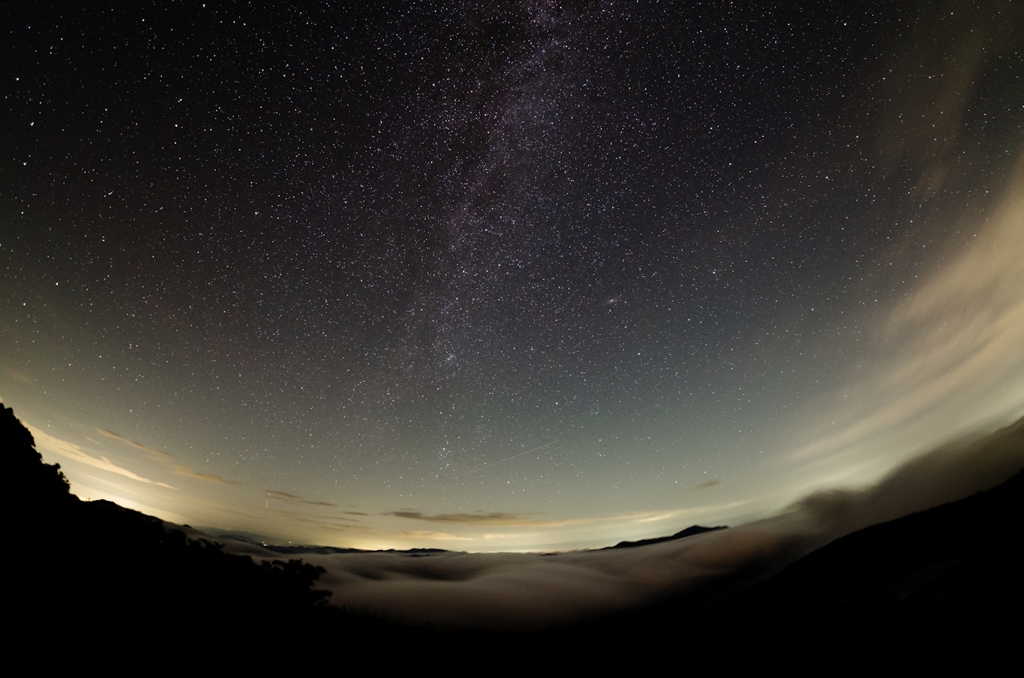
[36, 483]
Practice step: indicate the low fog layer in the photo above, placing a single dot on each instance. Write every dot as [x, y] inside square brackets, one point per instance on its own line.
[527, 591]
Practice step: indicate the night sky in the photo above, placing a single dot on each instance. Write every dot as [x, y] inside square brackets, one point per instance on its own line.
[505, 276]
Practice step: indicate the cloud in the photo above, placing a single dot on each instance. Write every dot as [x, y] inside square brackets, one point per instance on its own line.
[948, 472]
[208, 477]
[482, 518]
[529, 591]
[158, 454]
[295, 499]
[73, 451]
[501, 519]
[433, 536]
[710, 483]
[180, 469]
[18, 375]
[654, 516]
[327, 522]
[951, 353]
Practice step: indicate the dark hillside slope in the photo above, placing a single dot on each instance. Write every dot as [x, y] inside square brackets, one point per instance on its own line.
[94, 573]
[940, 584]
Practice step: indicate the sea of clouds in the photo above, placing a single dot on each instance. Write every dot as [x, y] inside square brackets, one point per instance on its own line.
[516, 591]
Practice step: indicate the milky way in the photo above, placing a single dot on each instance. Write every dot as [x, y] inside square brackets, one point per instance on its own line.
[506, 275]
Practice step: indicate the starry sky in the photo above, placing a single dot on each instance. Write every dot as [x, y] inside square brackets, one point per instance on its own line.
[505, 275]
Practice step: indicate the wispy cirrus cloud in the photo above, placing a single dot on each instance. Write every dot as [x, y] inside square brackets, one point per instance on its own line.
[952, 350]
[502, 519]
[72, 451]
[189, 472]
[333, 523]
[158, 454]
[179, 469]
[295, 499]
[18, 375]
[432, 536]
[490, 519]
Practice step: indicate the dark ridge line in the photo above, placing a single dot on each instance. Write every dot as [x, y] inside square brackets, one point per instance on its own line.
[682, 534]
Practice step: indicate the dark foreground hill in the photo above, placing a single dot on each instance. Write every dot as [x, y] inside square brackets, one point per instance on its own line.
[94, 581]
[941, 585]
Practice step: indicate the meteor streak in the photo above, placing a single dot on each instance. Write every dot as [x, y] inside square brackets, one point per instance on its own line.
[514, 456]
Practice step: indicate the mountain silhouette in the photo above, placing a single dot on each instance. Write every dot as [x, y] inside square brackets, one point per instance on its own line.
[682, 534]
